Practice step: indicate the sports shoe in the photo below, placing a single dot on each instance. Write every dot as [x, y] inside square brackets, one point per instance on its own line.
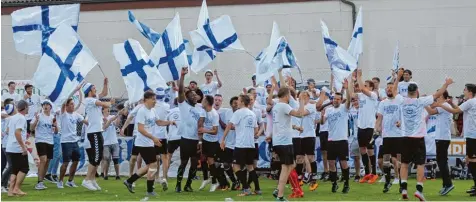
[134, 184]
[396, 181]
[118, 177]
[297, 194]
[419, 195]
[178, 188]
[313, 186]
[335, 187]
[204, 184]
[235, 186]
[129, 186]
[404, 195]
[106, 177]
[373, 179]
[446, 190]
[245, 192]
[324, 177]
[346, 189]
[366, 178]
[88, 185]
[471, 190]
[165, 185]
[386, 187]
[275, 193]
[49, 178]
[382, 179]
[71, 184]
[4, 190]
[55, 178]
[214, 187]
[281, 199]
[151, 193]
[188, 188]
[472, 194]
[225, 187]
[257, 192]
[40, 186]
[95, 184]
[356, 178]
[60, 185]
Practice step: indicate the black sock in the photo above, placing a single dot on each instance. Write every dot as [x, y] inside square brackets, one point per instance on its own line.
[365, 160]
[314, 168]
[299, 168]
[180, 172]
[254, 178]
[242, 177]
[192, 172]
[419, 188]
[150, 186]
[204, 169]
[333, 176]
[213, 173]
[404, 185]
[345, 174]
[133, 178]
[472, 170]
[387, 170]
[231, 175]
[374, 164]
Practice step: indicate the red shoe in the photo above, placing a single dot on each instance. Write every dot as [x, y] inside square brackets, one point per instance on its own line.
[297, 194]
[366, 178]
[373, 179]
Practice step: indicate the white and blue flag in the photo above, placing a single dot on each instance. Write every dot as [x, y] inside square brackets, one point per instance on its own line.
[395, 61]
[356, 43]
[64, 64]
[211, 37]
[341, 62]
[168, 55]
[138, 72]
[33, 26]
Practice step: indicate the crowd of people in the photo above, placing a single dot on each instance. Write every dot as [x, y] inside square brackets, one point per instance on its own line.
[192, 119]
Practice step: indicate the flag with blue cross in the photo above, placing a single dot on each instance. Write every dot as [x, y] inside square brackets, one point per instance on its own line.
[355, 47]
[211, 37]
[33, 26]
[168, 55]
[64, 64]
[137, 70]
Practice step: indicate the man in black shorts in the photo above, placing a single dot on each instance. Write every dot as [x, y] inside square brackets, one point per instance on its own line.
[225, 156]
[324, 102]
[174, 134]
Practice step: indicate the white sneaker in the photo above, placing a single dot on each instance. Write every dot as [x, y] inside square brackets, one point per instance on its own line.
[420, 196]
[95, 184]
[88, 185]
[396, 181]
[204, 184]
[214, 187]
[60, 185]
[4, 190]
[134, 185]
[40, 186]
[71, 184]
[382, 179]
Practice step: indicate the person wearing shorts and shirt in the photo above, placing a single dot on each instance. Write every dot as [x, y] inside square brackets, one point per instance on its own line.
[468, 109]
[323, 102]
[16, 149]
[45, 128]
[226, 154]
[33, 101]
[403, 85]
[388, 124]
[145, 142]
[161, 110]
[210, 87]
[7, 111]
[69, 139]
[135, 158]
[173, 142]
[337, 117]
[353, 140]
[111, 144]
[414, 130]
[259, 112]
[192, 118]
[246, 127]
[94, 131]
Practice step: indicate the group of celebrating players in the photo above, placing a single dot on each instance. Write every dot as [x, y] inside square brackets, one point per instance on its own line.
[192, 119]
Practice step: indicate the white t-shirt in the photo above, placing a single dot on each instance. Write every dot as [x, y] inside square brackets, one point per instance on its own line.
[469, 118]
[210, 89]
[94, 115]
[190, 116]
[311, 95]
[222, 114]
[413, 116]
[211, 120]
[260, 94]
[391, 114]
[15, 122]
[15, 96]
[133, 113]
[296, 122]
[245, 123]
[367, 110]
[110, 134]
[353, 117]
[443, 123]
[230, 140]
[33, 105]
[325, 127]
[382, 94]
[282, 126]
[174, 115]
[147, 117]
[337, 119]
[309, 121]
[44, 129]
[403, 87]
[161, 109]
[68, 123]
[259, 116]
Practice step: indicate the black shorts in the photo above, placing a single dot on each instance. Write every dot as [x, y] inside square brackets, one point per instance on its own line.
[364, 137]
[210, 149]
[148, 154]
[130, 130]
[471, 148]
[415, 150]
[308, 146]
[225, 156]
[297, 148]
[70, 152]
[188, 149]
[134, 152]
[257, 152]
[391, 145]
[19, 163]
[285, 154]
[338, 149]
[162, 149]
[244, 156]
[172, 145]
[44, 149]
[97, 148]
[380, 152]
[323, 138]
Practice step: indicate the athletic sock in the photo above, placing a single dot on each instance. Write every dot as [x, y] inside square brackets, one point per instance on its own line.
[204, 169]
[419, 187]
[374, 164]
[313, 171]
[333, 176]
[180, 172]
[254, 177]
[387, 171]
[242, 177]
[472, 170]
[365, 160]
[299, 168]
[133, 178]
[345, 174]
[213, 172]
[150, 186]
[231, 175]
[191, 174]
[404, 184]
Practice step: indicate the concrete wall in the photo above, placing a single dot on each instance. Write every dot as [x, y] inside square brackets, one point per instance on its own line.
[437, 39]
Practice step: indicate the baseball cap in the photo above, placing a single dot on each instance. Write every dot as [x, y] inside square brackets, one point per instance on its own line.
[209, 71]
[22, 105]
[86, 88]
[47, 102]
[159, 93]
[10, 108]
[311, 81]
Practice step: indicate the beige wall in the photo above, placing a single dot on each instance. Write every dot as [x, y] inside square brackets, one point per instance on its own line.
[437, 39]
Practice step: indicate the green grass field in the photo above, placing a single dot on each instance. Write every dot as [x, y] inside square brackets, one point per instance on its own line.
[114, 190]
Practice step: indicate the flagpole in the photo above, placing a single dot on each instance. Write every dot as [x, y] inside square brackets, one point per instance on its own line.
[108, 86]
[250, 55]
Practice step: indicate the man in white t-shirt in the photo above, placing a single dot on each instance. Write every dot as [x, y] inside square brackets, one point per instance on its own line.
[403, 85]
[337, 117]
[414, 130]
[323, 102]
[7, 111]
[468, 109]
[11, 93]
[312, 90]
[226, 154]
[131, 120]
[161, 110]
[94, 131]
[111, 143]
[260, 91]
[33, 101]
[145, 142]
[381, 92]
[174, 137]
[211, 87]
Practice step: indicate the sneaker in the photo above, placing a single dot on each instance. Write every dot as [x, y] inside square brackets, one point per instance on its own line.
[366, 178]
[382, 179]
[151, 193]
[71, 184]
[446, 190]
[225, 187]
[396, 181]
[419, 195]
[165, 185]
[275, 193]
[357, 178]
[335, 187]
[60, 185]
[297, 194]
[188, 188]
[55, 178]
[245, 192]
[214, 187]
[373, 179]
[313, 186]
[88, 185]
[404, 195]
[4, 190]
[341, 179]
[178, 188]
[281, 199]
[106, 177]
[118, 177]
[386, 187]
[102, 175]
[134, 184]
[49, 178]
[324, 177]
[257, 192]
[471, 190]
[472, 194]
[129, 186]
[95, 184]
[236, 186]
[204, 184]
[40, 186]
[346, 189]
